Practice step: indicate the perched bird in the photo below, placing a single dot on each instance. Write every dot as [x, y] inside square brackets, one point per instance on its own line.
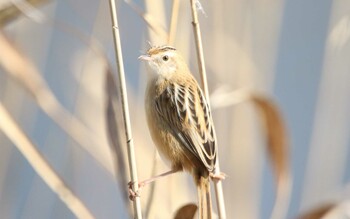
[180, 121]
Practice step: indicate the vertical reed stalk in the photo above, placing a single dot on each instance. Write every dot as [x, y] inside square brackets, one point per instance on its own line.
[173, 21]
[200, 58]
[199, 49]
[129, 139]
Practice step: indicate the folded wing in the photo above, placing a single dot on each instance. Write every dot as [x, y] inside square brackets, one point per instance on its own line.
[187, 113]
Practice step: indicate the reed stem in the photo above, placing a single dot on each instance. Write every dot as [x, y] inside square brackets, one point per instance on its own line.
[125, 107]
[200, 59]
[173, 21]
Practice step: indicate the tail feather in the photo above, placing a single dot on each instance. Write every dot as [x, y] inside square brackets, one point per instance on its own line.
[204, 198]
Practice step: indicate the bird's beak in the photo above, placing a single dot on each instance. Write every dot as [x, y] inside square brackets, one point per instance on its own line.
[145, 58]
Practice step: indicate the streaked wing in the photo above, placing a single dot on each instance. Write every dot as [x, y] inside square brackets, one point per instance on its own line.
[187, 113]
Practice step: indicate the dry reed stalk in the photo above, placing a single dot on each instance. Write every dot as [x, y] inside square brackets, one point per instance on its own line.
[41, 166]
[126, 118]
[114, 135]
[199, 48]
[173, 21]
[201, 64]
[111, 94]
[26, 73]
[11, 11]
[151, 22]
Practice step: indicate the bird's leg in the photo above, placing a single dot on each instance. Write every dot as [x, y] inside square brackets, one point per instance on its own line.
[143, 183]
[217, 176]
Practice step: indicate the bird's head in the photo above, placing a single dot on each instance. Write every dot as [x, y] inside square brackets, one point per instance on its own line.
[163, 60]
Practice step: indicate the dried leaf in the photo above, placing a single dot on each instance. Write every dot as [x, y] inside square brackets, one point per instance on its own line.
[275, 134]
[277, 148]
[186, 212]
[41, 166]
[318, 213]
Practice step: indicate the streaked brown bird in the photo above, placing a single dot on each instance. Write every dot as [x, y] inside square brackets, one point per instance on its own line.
[180, 121]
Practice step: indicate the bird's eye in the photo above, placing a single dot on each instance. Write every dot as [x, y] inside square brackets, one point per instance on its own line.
[165, 58]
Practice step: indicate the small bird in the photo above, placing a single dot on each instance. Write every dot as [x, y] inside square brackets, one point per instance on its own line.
[180, 121]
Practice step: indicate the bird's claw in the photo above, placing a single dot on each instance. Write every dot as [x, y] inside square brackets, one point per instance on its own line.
[217, 176]
[133, 194]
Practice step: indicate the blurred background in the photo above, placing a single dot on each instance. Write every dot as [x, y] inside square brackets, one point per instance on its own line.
[294, 53]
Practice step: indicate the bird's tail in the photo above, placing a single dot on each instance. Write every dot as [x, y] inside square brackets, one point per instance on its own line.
[204, 199]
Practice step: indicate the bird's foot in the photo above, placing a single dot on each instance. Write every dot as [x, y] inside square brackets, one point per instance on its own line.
[217, 176]
[133, 194]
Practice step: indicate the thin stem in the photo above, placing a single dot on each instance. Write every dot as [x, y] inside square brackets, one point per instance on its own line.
[149, 19]
[126, 118]
[154, 178]
[199, 49]
[200, 58]
[173, 22]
